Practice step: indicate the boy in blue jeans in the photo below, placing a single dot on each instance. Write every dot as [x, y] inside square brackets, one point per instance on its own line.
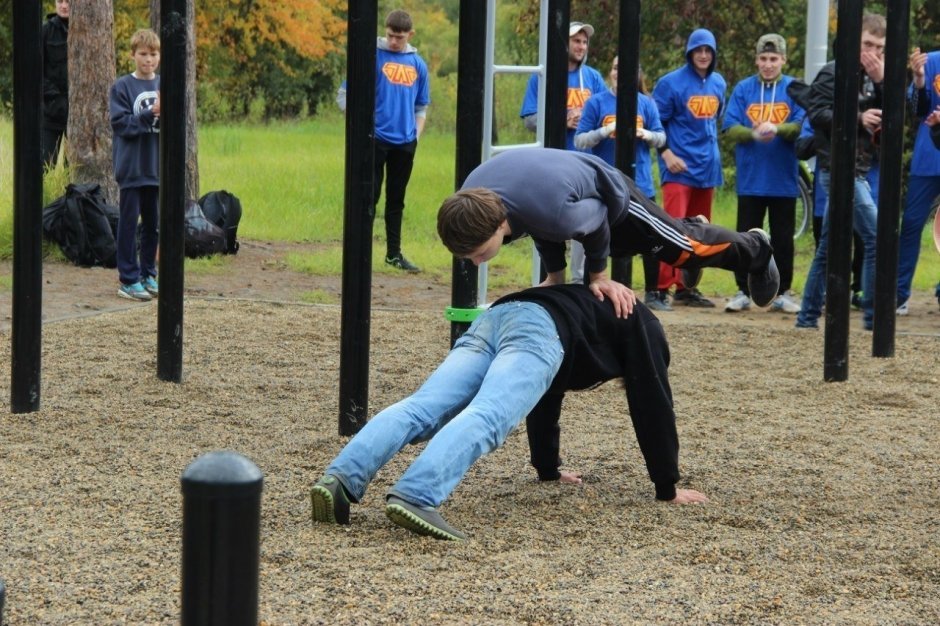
[135, 119]
[516, 361]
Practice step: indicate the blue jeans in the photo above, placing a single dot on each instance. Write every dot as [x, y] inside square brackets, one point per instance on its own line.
[921, 190]
[864, 220]
[495, 374]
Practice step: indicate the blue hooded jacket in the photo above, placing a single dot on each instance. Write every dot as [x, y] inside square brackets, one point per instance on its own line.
[689, 108]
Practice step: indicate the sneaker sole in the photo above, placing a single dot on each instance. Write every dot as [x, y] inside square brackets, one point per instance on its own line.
[409, 521]
[322, 505]
[134, 298]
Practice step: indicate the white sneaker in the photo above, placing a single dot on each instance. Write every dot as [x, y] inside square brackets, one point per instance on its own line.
[903, 310]
[739, 302]
[786, 303]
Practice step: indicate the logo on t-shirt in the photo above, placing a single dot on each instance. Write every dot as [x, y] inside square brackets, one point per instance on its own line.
[400, 74]
[776, 113]
[936, 84]
[609, 119]
[577, 97]
[144, 102]
[703, 107]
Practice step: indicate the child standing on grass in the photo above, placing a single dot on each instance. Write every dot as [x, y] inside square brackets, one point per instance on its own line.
[135, 120]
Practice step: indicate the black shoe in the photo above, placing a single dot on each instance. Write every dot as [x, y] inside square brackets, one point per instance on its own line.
[402, 263]
[657, 300]
[421, 520]
[329, 501]
[692, 297]
[764, 284]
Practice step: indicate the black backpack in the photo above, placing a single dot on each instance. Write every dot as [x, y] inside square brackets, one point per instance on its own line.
[201, 237]
[225, 211]
[83, 225]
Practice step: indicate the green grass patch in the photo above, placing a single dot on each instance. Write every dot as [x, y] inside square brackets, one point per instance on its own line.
[318, 296]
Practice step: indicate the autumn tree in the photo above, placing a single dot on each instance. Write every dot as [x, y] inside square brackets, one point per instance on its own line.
[279, 52]
[91, 74]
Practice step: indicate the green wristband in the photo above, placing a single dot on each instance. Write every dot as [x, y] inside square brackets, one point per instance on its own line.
[454, 314]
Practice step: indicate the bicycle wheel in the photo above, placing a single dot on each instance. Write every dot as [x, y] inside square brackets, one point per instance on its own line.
[804, 203]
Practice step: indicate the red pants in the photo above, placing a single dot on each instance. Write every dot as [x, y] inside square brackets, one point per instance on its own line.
[681, 201]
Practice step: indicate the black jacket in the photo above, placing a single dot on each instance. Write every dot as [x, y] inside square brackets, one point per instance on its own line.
[819, 99]
[599, 347]
[55, 77]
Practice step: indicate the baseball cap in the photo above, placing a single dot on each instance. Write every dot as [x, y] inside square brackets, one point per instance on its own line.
[772, 42]
[576, 27]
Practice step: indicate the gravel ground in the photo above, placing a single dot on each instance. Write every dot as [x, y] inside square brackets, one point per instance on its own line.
[824, 497]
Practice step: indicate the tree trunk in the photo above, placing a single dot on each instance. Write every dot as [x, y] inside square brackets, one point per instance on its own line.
[192, 161]
[91, 74]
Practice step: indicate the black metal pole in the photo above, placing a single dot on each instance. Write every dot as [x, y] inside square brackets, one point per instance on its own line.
[889, 184]
[221, 540]
[556, 74]
[471, 62]
[359, 211]
[627, 87]
[174, 19]
[842, 190]
[26, 329]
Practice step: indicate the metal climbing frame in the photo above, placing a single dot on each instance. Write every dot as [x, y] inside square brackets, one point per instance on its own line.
[492, 69]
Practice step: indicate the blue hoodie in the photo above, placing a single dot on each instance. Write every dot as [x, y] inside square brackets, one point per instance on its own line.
[689, 108]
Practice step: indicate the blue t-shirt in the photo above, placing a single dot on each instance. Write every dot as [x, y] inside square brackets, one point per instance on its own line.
[136, 144]
[583, 82]
[689, 107]
[401, 84]
[764, 169]
[600, 110]
[926, 158]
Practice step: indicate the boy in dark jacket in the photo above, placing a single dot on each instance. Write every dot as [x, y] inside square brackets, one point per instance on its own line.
[135, 119]
[529, 346]
[819, 102]
[55, 80]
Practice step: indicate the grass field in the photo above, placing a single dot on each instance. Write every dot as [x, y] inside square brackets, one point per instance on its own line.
[289, 177]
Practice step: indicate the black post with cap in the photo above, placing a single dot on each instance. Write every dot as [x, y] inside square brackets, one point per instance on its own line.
[221, 540]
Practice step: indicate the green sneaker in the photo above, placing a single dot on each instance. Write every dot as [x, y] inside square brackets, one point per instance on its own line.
[423, 520]
[329, 501]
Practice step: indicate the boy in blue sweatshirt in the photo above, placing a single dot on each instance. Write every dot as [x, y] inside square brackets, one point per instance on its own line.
[402, 96]
[764, 121]
[690, 100]
[924, 182]
[135, 120]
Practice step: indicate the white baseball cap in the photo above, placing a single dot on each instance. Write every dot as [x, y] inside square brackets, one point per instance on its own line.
[575, 27]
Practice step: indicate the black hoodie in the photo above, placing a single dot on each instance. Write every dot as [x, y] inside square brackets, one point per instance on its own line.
[598, 347]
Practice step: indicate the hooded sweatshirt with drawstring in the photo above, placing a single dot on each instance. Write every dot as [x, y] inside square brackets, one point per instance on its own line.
[402, 87]
[583, 82]
[689, 108]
